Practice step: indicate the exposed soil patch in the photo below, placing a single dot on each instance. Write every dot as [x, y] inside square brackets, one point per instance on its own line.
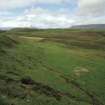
[32, 38]
[41, 88]
[80, 71]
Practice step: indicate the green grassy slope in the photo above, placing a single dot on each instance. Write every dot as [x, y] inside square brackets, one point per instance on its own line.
[52, 67]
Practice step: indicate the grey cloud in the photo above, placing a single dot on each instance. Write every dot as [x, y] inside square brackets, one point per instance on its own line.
[91, 7]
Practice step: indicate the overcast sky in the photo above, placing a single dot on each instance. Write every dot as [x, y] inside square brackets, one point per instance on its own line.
[51, 13]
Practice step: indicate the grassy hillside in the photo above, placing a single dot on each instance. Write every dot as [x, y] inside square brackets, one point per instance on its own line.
[52, 67]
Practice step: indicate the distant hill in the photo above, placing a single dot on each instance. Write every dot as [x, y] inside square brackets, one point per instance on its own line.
[90, 26]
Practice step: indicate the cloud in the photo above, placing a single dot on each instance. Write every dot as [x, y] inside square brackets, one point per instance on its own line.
[91, 7]
[89, 20]
[33, 13]
[34, 16]
[40, 18]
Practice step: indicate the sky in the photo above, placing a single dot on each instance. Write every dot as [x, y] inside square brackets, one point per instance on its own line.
[51, 13]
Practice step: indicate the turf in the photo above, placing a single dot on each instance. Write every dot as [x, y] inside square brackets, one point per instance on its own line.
[52, 67]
